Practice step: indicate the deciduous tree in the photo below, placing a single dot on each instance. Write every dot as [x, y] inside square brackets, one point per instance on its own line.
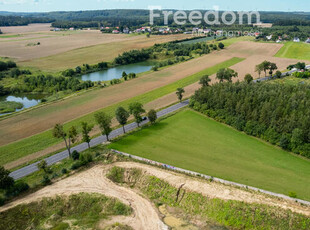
[86, 129]
[204, 81]
[152, 115]
[136, 109]
[179, 93]
[104, 121]
[122, 116]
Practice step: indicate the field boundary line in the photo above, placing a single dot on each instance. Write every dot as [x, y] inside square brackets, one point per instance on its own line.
[222, 181]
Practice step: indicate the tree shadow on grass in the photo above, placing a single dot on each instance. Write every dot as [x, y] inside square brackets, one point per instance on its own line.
[138, 136]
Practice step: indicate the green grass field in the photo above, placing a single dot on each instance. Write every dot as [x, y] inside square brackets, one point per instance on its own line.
[16, 150]
[192, 141]
[295, 50]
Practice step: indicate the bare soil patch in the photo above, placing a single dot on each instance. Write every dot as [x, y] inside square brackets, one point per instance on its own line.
[37, 27]
[67, 49]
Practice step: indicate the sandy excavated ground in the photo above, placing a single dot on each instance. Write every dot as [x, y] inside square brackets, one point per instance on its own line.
[145, 214]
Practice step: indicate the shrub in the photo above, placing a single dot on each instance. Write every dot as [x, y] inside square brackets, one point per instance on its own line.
[11, 64]
[75, 155]
[221, 45]
[116, 174]
[17, 189]
[3, 66]
[121, 209]
[76, 165]
[64, 171]
[292, 194]
[155, 68]
[46, 180]
[2, 201]
[86, 158]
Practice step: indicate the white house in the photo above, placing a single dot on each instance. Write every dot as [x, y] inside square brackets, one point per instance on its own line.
[296, 39]
[308, 40]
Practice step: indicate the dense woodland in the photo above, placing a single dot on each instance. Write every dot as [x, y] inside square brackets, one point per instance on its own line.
[21, 21]
[277, 113]
[131, 18]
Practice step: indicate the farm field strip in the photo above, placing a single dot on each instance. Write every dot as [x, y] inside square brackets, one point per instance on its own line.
[295, 50]
[242, 159]
[43, 140]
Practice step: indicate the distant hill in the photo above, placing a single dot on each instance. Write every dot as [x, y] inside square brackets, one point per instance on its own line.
[130, 17]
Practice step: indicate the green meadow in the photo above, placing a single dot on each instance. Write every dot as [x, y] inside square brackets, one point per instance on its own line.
[192, 141]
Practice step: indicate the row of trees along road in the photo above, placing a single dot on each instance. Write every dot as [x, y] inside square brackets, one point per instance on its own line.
[104, 121]
[264, 67]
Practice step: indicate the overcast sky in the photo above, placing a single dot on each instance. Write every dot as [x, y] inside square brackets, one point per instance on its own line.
[73, 5]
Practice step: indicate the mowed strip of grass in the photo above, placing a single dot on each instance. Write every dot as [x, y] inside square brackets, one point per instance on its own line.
[295, 50]
[192, 141]
[33, 144]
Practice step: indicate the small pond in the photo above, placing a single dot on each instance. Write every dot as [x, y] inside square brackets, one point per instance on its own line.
[116, 72]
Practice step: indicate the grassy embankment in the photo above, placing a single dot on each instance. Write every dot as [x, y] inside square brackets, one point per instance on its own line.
[215, 149]
[212, 211]
[295, 50]
[9, 106]
[16, 150]
[82, 210]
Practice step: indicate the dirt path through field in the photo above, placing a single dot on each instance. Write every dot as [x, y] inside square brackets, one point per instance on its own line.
[94, 180]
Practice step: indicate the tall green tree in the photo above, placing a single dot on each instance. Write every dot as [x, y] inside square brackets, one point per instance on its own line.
[265, 66]
[104, 121]
[152, 115]
[58, 132]
[272, 67]
[204, 81]
[86, 129]
[179, 93]
[122, 116]
[226, 74]
[72, 134]
[43, 165]
[259, 69]
[136, 109]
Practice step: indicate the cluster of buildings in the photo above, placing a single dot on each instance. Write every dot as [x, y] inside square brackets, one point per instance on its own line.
[145, 29]
[280, 39]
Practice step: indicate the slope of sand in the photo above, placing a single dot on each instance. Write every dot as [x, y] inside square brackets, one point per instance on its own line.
[145, 214]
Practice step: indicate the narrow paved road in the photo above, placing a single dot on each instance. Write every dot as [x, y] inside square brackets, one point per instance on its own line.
[25, 171]
[283, 75]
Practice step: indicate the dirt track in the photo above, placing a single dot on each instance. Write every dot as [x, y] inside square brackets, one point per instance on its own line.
[93, 180]
[145, 216]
